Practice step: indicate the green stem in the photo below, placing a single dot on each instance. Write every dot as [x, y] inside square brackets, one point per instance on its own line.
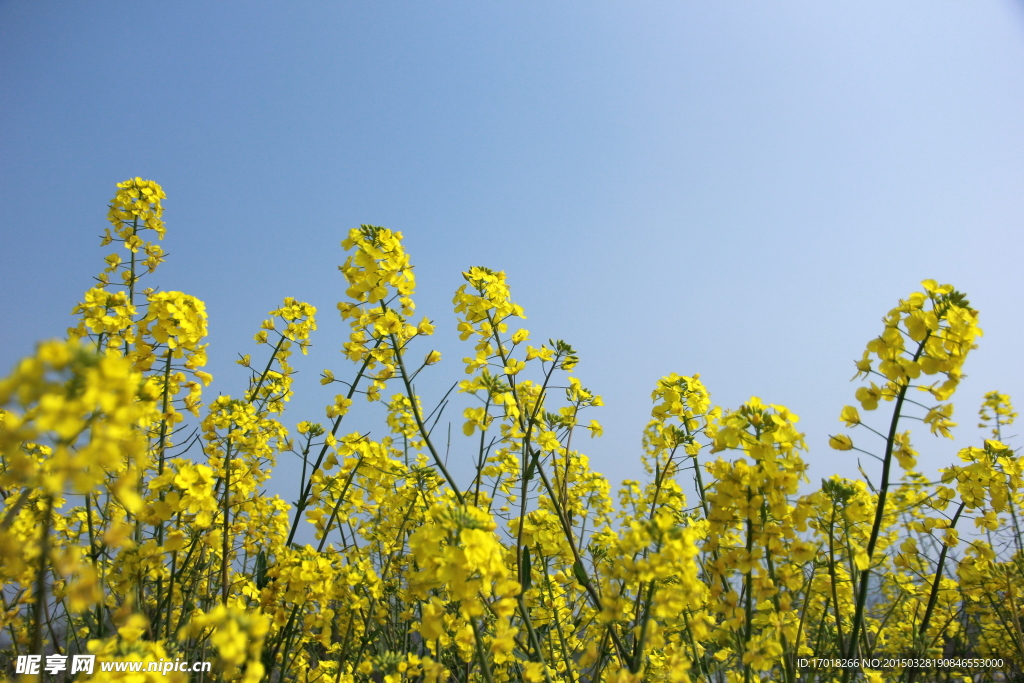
[254, 392]
[225, 542]
[484, 666]
[933, 596]
[337, 506]
[583, 580]
[529, 461]
[558, 622]
[419, 419]
[638, 646]
[133, 278]
[883, 491]
[303, 501]
[94, 559]
[534, 640]
[834, 579]
[748, 590]
[40, 592]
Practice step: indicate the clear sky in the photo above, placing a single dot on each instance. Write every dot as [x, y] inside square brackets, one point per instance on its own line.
[739, 189]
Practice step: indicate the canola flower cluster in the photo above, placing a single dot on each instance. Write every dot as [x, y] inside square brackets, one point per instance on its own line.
[135, 523]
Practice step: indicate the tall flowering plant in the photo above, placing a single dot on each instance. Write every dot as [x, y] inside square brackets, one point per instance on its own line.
[136, 525]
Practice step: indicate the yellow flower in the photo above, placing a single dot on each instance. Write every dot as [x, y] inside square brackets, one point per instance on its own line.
[533, 672]
[133, 628]
[850, 416]
[840, 442]
[514, 366]
[869, 396]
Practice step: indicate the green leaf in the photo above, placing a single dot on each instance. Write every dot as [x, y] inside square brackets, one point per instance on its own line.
[527, 575]
[580, 573]
[530, 467]
[261, 570]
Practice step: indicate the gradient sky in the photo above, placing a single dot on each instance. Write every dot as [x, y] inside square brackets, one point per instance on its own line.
[732, 188]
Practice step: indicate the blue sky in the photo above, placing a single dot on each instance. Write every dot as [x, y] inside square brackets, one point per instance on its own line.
[738, 189]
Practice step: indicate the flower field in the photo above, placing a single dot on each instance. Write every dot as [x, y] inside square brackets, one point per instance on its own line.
[125, 537]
